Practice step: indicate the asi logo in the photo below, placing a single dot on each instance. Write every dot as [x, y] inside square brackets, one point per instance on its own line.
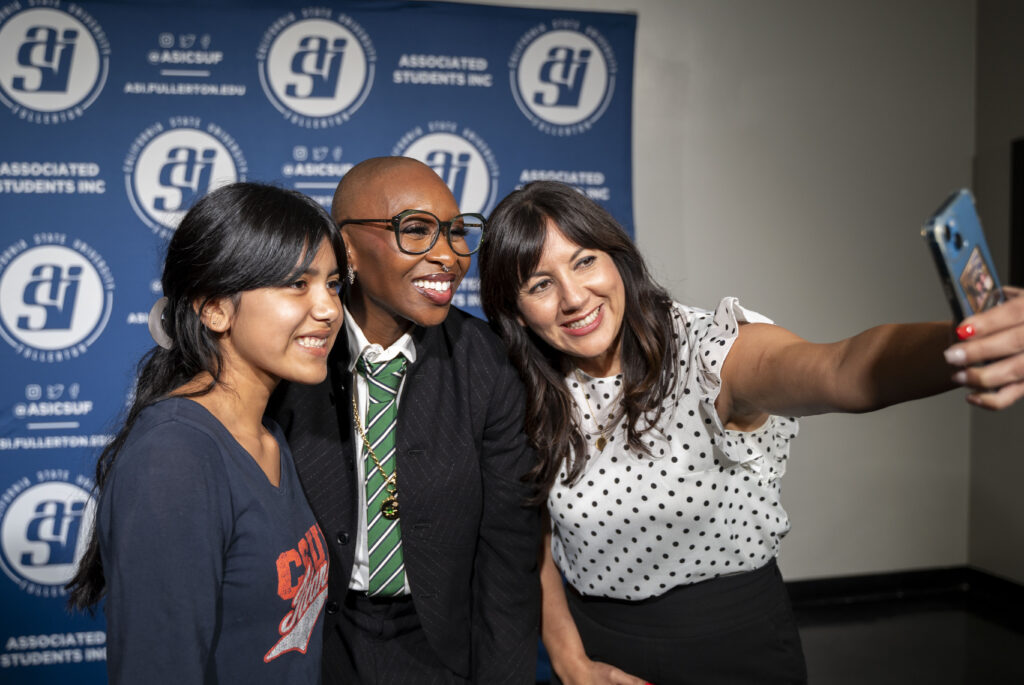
[168, 168]
[55, 297]
[460, 157]
[53, 63]
[563, 78]
[316, 70]
[44, 530]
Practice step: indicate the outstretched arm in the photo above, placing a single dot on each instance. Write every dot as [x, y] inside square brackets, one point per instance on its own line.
[773, 371]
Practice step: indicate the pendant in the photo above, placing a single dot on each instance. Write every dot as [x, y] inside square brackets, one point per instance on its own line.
[601, 442]
[389, 508]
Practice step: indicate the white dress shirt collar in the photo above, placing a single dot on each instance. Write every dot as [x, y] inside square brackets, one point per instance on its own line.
[359, 346]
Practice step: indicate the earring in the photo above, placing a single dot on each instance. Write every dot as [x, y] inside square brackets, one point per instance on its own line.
[351, 275]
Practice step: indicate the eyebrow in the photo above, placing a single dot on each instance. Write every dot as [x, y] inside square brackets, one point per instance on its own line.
[535, 274]
[313, 271]
[316, 272]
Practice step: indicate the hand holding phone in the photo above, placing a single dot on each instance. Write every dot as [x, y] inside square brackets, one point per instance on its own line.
[962, 257]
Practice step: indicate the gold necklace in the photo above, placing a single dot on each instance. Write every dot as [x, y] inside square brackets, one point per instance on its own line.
[389, 507]
[602, 437]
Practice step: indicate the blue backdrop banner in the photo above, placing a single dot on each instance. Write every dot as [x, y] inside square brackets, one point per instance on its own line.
[115, 117]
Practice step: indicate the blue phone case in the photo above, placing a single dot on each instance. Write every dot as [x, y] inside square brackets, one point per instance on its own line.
[962, 257]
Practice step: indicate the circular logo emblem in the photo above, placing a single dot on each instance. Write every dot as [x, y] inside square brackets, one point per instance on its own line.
[53, 63]
[563, 80]
[463, 160]
[167, 170]
[316, 71]
[55, 299]
[44, 531]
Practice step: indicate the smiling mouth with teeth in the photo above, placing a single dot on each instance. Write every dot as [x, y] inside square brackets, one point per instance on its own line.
[586, 320]
[439, 286]
[313, 342]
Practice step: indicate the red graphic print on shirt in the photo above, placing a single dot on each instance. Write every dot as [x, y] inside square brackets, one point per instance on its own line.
[302, 578]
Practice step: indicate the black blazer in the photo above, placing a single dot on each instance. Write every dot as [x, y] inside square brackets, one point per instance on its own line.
[470, 544]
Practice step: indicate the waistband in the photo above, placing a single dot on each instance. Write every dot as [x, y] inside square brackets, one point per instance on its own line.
[726, 602]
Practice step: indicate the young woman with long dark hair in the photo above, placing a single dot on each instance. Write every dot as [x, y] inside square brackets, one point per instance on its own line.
[210, 561]
[661, 433]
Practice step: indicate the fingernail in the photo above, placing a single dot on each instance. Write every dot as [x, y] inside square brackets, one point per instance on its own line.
[964, 331]
[955, 356]
[960, 377]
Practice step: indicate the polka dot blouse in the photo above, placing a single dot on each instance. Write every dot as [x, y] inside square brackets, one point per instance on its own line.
[704, 504]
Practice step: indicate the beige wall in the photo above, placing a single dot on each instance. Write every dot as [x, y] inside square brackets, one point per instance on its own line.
[805, 143]
[788, 152]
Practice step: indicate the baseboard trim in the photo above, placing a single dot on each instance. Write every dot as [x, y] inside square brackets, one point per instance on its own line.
[961, 587]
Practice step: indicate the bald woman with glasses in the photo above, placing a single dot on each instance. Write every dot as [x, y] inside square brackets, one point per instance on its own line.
[412, 452]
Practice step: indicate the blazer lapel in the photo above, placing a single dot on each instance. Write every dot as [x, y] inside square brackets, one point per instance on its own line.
[323, 453]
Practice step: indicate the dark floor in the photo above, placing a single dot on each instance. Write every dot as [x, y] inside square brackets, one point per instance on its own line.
[938, 643]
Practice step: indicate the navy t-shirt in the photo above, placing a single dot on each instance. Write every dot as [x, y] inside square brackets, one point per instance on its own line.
[213, 574]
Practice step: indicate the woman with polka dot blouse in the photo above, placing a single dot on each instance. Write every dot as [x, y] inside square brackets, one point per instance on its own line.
[661, 433]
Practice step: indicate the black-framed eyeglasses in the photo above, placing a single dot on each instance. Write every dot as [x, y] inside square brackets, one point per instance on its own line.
[416, 231]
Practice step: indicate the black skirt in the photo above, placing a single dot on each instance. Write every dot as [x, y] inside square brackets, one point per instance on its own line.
[731, 630]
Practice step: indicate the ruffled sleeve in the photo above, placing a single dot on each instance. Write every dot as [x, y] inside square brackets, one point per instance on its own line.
[764, 450]
[710, 336]
[714, 335]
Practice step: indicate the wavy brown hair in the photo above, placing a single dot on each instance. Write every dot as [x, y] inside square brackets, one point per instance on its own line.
[510, 252]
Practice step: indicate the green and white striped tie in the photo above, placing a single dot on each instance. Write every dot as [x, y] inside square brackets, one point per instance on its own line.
[384, 536]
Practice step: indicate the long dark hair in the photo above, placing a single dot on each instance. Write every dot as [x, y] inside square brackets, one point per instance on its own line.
[510, 252]
[239, 237]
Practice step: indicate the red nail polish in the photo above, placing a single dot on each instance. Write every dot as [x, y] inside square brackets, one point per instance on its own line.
[964, 331]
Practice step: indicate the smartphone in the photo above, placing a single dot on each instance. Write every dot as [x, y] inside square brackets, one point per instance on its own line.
[962, 257]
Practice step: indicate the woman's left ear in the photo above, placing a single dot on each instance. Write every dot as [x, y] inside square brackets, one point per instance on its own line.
[217, 314]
